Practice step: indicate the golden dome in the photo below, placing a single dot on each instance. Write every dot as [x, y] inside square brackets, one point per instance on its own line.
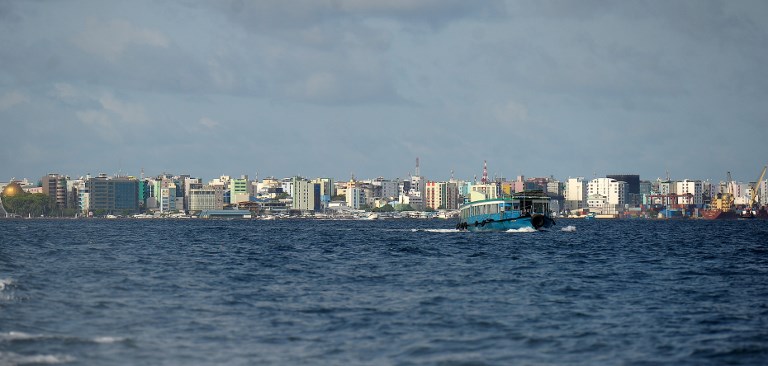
[11, 189]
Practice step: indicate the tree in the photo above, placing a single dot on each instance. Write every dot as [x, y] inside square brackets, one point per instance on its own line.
[29, 204]
[385, 208]
[406, 207]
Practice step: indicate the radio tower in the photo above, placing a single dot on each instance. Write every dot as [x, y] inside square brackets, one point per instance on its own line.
[418, 174]
[485, 172]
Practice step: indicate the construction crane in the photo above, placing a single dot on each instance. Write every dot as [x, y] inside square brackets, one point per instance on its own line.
[753, 193]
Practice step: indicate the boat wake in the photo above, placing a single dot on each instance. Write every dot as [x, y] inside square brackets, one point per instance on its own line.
[5, 282]
[437, 230]
[522, 230]
[569, 228]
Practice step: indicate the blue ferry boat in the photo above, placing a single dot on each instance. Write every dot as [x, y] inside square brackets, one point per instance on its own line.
[524, 210]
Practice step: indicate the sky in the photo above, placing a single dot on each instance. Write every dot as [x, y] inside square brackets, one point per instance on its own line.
[334, 88]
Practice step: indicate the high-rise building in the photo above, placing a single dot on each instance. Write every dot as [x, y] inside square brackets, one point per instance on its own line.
[327, 190]
[575, 194]
[115, 195]
[689, 192]
[355, 195]
[632, 180]
[441, 195]
[239, 190]
[607, 195]
[55, 186]
[306, 195]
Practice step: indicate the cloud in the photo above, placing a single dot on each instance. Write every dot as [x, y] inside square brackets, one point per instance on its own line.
[65, 91]
[512, 112]
[11, 99]
[208, 123]
[111, 39]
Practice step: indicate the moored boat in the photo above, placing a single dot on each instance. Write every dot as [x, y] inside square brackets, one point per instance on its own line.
[526, 210]
[715, 214]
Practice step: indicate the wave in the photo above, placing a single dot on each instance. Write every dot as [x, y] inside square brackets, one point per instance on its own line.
[5, 282]
[106, 340]
[18, 336]
[10, 358]
[21, 336]
[569, 228]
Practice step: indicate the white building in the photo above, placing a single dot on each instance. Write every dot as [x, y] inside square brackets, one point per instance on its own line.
[614, 192]
[689, 192]
[355, 197]
[576, 194]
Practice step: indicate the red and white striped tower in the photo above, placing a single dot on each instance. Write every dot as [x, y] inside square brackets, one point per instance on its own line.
[485, 172]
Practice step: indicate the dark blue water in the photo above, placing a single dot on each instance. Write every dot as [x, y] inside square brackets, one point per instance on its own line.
[198, 292]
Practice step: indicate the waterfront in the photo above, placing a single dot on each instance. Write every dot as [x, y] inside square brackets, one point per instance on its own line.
[115, 292]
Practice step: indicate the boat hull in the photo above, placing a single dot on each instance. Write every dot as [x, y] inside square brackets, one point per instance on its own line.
[528, 210]
[718, 215]
[518, 224]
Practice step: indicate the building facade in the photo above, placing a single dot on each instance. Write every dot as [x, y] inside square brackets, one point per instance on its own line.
[306, 195]
[113, 195]
[576, 194]
[55, 186]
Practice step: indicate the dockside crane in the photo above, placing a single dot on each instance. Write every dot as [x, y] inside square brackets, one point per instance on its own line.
[724, 200]
[753, 198]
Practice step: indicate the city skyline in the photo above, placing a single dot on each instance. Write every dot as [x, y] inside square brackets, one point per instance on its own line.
[413, 172]
[334, 88]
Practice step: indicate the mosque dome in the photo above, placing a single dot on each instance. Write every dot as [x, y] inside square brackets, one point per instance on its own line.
[11, 190]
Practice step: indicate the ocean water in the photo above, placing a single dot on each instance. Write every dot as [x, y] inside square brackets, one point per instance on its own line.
[404, 292]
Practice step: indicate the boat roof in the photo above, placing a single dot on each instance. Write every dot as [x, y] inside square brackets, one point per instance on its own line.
[515, 197]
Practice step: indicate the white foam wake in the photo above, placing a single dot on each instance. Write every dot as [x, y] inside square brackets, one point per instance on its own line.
[4, 282]
[522, 230]
[10, 358]
[569, 228]
[105, 340]
[437, 230]
[21, 336]
[18, 336]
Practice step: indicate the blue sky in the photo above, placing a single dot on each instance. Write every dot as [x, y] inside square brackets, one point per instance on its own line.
[363, 87]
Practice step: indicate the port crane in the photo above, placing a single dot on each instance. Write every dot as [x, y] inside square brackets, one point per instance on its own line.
[751, 209]
[724, 200]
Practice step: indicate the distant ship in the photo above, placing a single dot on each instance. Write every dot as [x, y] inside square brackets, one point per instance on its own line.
[526, 210]
[715, 214]
[722, 205]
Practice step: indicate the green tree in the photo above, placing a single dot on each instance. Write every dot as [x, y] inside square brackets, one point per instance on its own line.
[385, 208]
[29, 204]
[406, 207]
